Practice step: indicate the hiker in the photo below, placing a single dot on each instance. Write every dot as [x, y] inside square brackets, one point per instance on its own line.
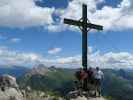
[90, 75]
[81, 76]
[98, 75]
[78, 81]
[77, 74]
[84, 78]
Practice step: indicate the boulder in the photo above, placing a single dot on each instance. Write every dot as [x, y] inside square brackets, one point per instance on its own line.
[9, 89]
[11, 94]
[8, 81]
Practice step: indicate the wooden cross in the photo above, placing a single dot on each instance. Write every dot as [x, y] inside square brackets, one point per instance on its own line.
[85, 26]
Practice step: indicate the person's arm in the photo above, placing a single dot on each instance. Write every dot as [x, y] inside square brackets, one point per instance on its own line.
[102, 74]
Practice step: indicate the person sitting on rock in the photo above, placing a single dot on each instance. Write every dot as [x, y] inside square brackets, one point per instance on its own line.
[98, 75]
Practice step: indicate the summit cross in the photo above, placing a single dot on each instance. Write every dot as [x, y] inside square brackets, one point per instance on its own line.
[85, 26]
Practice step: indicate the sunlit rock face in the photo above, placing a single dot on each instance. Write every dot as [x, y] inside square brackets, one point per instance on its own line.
[9, 89]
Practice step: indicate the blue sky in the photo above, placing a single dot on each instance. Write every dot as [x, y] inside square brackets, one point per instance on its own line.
[45, 35]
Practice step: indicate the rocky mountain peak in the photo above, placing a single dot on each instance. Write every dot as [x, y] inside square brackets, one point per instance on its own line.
[41, 69]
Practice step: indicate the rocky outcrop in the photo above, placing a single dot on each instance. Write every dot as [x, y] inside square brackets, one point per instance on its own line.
[39, 95]
[11, 94]
[82, 95]
[9, 89]
[89, 98]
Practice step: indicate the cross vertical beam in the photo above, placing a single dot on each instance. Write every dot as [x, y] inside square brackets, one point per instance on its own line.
[84, 38]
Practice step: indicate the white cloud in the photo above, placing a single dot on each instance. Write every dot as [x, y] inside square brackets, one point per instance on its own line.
[74, 9]
[15, 40]
[112, 18]
[111, 60]
[55, 28]
[24, 13]
[54, 50]
[119, 18]
[106, 60]
[9, 57]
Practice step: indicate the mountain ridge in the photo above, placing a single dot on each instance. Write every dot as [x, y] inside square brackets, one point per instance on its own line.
[61, 81]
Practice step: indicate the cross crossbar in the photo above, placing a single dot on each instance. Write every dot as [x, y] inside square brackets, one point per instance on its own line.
[79, 23]
[93, 26]
[72, 22]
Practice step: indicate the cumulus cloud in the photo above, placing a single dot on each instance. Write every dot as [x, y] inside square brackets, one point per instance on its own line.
[24, 13]
[118, 18]
[9, 57]
[112, 18]
[54, 50]
[107, 60]
[111, 60]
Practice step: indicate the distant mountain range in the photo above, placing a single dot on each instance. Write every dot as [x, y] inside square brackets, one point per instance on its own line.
[48, 79]
[129, 69]
[16, 71]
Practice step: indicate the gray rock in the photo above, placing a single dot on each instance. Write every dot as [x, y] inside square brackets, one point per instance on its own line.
[89, 98]
[9, 89]
[10, 94]
[80, 98]
[82, 95]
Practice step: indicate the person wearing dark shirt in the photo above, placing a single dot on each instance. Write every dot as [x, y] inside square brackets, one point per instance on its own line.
[90, 75]
[81, 76]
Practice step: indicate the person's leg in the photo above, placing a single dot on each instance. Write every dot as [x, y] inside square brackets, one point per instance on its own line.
[76, 85]
[95, 83]
[92, 80]
[99, 87]
[3, 88]
[85, 84]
